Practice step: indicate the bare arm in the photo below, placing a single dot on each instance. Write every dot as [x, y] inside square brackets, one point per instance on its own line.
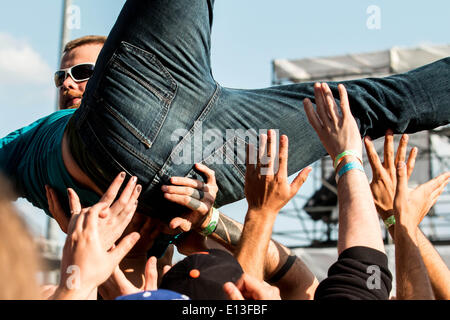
[412, 277]
[252, 249]
[411, 274]
[299, 283]
[425, 196]
[358, 220]
[438, 271]
[228, 232]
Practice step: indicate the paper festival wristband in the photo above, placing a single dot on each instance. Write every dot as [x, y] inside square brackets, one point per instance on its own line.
[341, 156]
[212, 223]
[389, 222]
[349, 166]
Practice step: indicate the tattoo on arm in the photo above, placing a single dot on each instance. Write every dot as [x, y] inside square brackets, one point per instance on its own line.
[228, 232]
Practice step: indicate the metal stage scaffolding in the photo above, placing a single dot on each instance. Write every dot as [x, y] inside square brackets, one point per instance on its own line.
[315, 214]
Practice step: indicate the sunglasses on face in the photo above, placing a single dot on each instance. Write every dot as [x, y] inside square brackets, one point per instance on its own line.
[79, 73]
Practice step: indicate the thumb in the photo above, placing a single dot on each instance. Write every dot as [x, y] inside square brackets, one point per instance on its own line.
[74, 201]
[122, 249]
[122, 281]
[300, 180]
[56, 209]
[151, 275]
[232, 291]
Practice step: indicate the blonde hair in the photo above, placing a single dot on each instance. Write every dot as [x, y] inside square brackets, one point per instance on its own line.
[86, 40]
[19, 262]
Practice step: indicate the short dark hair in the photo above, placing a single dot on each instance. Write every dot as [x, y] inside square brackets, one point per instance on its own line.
[84, 41]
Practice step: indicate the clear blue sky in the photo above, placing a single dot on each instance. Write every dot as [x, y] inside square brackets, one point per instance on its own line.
[247, 35]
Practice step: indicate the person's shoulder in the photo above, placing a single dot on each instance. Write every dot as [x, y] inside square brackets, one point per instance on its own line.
[48, 119]
[47, 123]
[60, 114]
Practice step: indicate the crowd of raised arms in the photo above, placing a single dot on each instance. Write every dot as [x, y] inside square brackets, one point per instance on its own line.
[102, 168]
[256, 267]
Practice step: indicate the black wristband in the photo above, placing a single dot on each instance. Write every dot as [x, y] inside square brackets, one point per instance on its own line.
[284, 269]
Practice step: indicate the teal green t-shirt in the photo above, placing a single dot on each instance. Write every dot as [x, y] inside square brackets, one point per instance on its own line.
[31, 158]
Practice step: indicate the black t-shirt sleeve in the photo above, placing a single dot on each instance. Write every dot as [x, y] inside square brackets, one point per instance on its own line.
[361, 273]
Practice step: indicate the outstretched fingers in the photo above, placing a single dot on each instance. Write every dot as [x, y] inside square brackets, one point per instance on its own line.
[411, 161]
[401, 192]
[331, 106]
[151, 274]
[267, 153]
[110, 195]
[401, 150]
[312, 115]
[345, 103]
[322, 104]
[250, 160]
[388, 159]
[283, 157]
[374, 160]
[125, 197]
[438, 184]
[124, 246]
[300, 180]
[74, 202]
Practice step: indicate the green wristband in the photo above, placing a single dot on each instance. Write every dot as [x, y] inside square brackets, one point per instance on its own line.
[389, 222]
[346, 153]
[212, 223]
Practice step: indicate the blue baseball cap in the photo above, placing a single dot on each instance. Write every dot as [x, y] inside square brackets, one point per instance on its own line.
[161, 294]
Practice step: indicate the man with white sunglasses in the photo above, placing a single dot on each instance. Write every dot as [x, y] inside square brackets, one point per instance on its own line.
[77, 66]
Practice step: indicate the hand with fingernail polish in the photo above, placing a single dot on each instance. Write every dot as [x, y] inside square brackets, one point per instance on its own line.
[111, 212]
[90, 254]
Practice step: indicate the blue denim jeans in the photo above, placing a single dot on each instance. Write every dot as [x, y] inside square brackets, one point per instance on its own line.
[153, 108]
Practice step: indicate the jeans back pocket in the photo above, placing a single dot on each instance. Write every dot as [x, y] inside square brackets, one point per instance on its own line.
[228, 163]
[137, 91]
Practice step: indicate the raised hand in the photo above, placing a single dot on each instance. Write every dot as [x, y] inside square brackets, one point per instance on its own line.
[89, 255]
[196, 195]
[337, 132]
[384, 179]
[110, 214]
[410, 207]
[384, 176]
[265, 189]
